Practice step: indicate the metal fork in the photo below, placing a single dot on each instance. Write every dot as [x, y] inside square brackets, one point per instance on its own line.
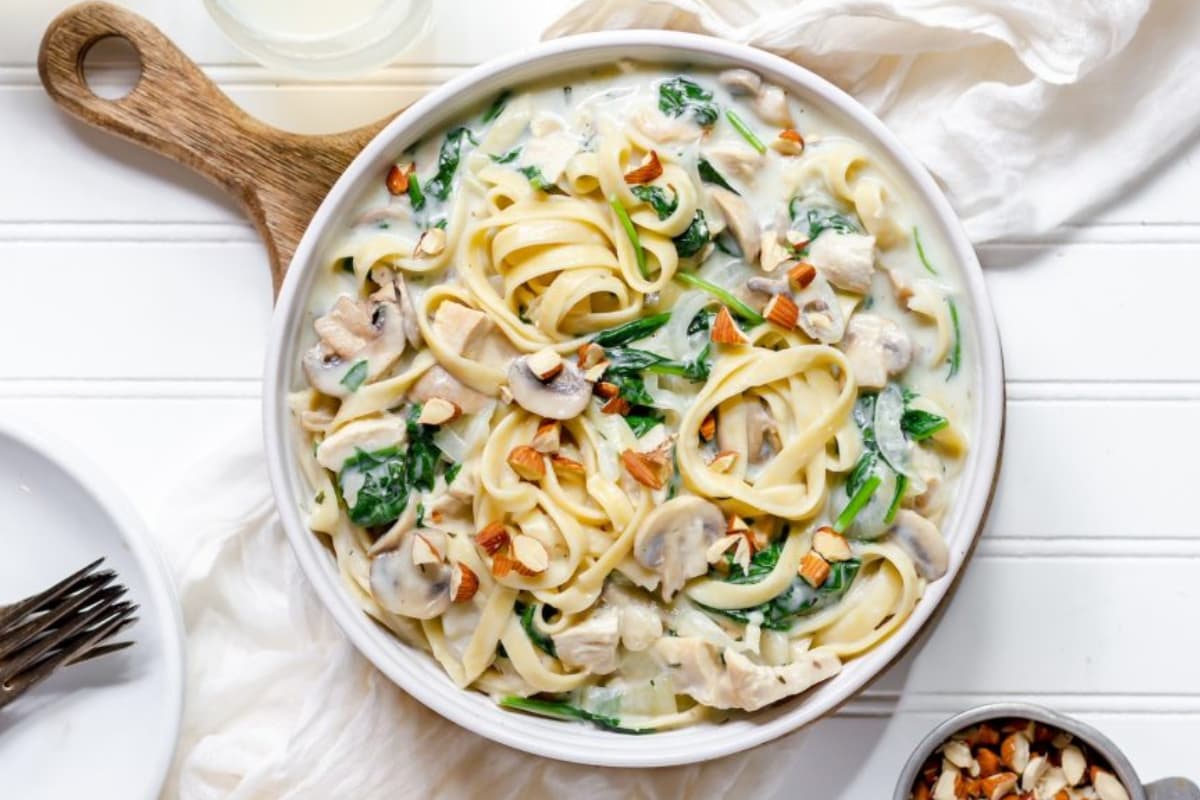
[65, 624]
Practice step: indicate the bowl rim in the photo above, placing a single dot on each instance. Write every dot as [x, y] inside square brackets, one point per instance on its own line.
[409, 668]
[972, 716]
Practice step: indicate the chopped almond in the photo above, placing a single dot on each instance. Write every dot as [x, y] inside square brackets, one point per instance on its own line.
[642, 469]
[566, 466]
[545, 363]
[717, 550]
[617, 405]
[999, 785]
[423, 552]
[789, 142]
[431, 243]
[493, 538]
[397, 178]
[725, 330]
[548, 436]
[1014, 751]
[502, 564]
[782, 311]
[723, 461]
[464, 583]
[802, 274]
[831, 545]
[590, 354]
[647, 172]
[814, 569]
[708, 428]
[529, 555]
[595, 372]
[437, 411]
[989, 762]
[607, 390]
[921, 792]
[527, 463]
[736, 525]
[796, 239]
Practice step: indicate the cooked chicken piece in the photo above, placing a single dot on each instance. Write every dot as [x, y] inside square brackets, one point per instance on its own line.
[550, 154]
[591, 644]
[732, 158]
[876, 348]
[347, 326]
[661, 128]
[729, 679]
[846, 259]
[437, 382]
[368, 434]
[459, 326]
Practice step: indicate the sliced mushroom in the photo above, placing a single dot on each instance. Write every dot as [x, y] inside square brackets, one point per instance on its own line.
[751, 427]
[368, 435]
[437, 382]
[767, 286]
[821, 316]
[591, 644]
[729, 679]
[351, 332]
[771, 105]
[921, 539]
[876, 348]
[740, 218]
[393, 288]
[740, 82]
[402, 586]
[673, 539]
[846, 259]
[734, 158]
[565, 396]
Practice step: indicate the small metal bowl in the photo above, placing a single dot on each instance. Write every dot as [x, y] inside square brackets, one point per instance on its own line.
[1165, 789]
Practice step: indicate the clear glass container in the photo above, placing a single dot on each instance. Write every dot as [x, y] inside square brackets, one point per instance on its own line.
[322, 38]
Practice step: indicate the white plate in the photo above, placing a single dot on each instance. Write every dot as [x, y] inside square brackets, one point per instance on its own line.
[106, 728]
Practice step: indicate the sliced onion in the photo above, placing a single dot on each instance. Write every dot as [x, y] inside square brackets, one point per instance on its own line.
[664, 398]
[460, 439]
[869, 522]
[893, 446]
[675, 336]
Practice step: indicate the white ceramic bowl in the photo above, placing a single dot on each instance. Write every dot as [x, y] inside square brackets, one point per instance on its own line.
[416, 672]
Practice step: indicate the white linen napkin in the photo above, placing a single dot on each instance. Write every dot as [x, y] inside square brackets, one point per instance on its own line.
[1027, 111]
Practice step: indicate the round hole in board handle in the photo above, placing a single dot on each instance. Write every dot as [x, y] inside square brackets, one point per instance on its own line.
[111, 67]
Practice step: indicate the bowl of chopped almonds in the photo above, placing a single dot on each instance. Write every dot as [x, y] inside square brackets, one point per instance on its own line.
[1018, 751]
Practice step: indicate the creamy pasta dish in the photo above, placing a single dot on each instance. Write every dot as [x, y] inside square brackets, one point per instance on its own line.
[637, 398]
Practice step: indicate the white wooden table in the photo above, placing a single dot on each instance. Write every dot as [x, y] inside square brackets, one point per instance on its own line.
[135, 310]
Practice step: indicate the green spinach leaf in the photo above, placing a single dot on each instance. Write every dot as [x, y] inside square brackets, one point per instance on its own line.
[557, 709]
[631, 331]
[384, 489]
[799, 599]
[539, 639]
[657, 198]
[448, 158]
[694, 237]
[497, 106]
[709, 174]
[681, 95]
[920, 425]
[643, 421]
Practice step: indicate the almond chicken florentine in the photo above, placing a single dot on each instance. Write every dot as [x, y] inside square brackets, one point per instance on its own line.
[637, 399]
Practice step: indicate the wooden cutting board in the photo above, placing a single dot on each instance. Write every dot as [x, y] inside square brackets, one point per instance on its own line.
[278, 178]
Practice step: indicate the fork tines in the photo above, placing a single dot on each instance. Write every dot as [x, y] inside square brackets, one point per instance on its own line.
[65, 624]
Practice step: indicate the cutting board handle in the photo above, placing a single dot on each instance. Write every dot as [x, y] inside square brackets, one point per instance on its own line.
[278, 178]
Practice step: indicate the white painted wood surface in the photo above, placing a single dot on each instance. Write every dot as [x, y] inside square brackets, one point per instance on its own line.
[136, 304]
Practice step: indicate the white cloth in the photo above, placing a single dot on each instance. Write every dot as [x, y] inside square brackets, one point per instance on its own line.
[1009, 103]
[1027, 111]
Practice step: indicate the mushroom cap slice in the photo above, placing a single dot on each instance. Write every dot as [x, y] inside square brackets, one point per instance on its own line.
[674, 539]
[403, 587]
[876, 348]
[565, 396]
[921, 539]
[740, 81]
[771, 104]
[742, 223]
